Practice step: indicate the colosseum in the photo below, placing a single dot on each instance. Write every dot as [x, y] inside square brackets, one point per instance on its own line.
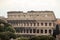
[32, 23]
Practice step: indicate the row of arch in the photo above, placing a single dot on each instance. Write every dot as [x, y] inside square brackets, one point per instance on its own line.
[27, 30]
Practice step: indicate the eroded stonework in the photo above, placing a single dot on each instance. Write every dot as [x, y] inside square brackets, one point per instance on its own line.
[32, 23]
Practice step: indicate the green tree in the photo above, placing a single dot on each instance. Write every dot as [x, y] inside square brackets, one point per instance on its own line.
[23, 38]
[43, 38]
[6, 31]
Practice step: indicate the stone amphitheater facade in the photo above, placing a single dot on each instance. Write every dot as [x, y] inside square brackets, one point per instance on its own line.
[32, 23]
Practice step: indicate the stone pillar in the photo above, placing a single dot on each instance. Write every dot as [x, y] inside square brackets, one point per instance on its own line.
[22, 30]
[48, 24]
[52, 24]
[32, 30]
[44, 24]
[48, 32]
[51, 31]
[39, 24]
[29, 25]
[20, 24]
[25, 30]
[28, 30]
[36, 31]
[39, 31]
[43, 31]
[32, 25]
[36, 25]
[23, 24]
[26, 24]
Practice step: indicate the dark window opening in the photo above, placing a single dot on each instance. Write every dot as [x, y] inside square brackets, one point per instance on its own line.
[27, 24]
[45, 31]
[27, 30]
[38, 31]
[31, 24]
[45, 24]
[34, 30]
[49, 31]
[24, 30]
[21, 30]
[42, 24]
[24, 24]
[49, 24]
[30, 30]
[37, 24]
[17, 30]
[34, 24]
[41, 31]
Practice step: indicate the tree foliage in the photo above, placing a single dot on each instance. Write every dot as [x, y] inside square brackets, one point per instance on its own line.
[56, 31]
[43, 38]
[6, 31]
[23, 38]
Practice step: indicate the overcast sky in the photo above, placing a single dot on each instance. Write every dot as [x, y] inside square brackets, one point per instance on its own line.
[27, 5]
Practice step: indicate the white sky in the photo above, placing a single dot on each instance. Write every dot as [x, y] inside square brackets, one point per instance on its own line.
[26, 5]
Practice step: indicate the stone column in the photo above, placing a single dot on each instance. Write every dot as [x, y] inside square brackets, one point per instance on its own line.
[20, 24]
[36, 31]
[48, 24]
[32, 25]
[25, 30]
[22, 30]
[48, 32]
[23, 24]
[44, 24]
[29, 24]
[39, 24]
[52, 24]
[36, 25]
[32, 30]
[43, 31]
[28, 30]
[51, 31]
